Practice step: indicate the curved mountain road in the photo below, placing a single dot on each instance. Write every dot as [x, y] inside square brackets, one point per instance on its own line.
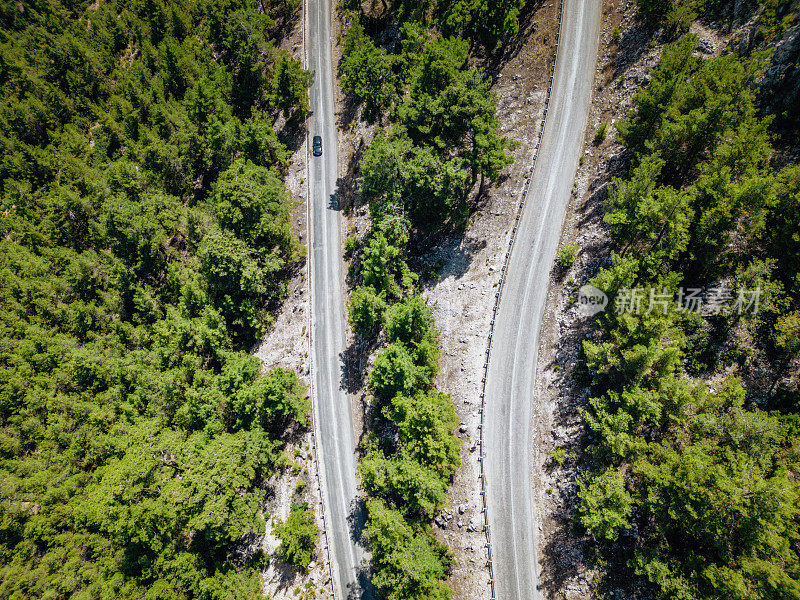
[333, 419]
[511, 374]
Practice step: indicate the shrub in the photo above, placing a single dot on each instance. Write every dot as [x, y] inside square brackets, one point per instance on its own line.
[425, 423]
[408, 561]
[366, 309]
[410, 321]
[298, 535]
[351, 243]
[568, 255]
[605, 505]
[415, 488]
[600, 136]
[558, 455]
[275, 398]
[394, 373]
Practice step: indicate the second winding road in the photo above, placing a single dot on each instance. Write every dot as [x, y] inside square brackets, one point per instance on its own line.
[511, 376]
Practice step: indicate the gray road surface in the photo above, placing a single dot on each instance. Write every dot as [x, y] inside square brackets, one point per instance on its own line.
[512, 364]
[332, 412]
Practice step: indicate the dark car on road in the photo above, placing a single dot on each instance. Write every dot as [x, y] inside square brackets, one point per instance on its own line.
[316, 145]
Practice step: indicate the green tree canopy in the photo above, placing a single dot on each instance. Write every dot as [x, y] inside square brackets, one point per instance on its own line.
[366, 309]
[299, 536]
[410, 563]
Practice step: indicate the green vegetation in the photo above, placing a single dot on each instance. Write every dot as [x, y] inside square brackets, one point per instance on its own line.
[144, 238]
[600, 134]
[299, 536]
[383, 264]
[693, 487]
[437, 141]
[350, 244]
[366, 309]
[677, 15]
[558, 455]
[568, 255]
[406, 473]
[408, 561]
[485, 23]
[441, 138]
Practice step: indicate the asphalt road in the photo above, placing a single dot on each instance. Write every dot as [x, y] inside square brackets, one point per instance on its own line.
[332, 409]
[511, 374]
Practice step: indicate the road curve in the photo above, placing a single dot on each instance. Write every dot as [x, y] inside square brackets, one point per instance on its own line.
[511, 373]
[333, 420]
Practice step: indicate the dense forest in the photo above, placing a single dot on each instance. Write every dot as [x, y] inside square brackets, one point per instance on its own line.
[435, 145]
[694, 448]
[144, 238]
[440, 137]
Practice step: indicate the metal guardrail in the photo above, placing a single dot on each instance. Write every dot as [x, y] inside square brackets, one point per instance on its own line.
[497, 296]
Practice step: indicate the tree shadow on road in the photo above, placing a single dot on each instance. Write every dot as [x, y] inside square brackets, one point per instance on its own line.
[357, 520]
[353, 362]
[364, 590]
[347, 185]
